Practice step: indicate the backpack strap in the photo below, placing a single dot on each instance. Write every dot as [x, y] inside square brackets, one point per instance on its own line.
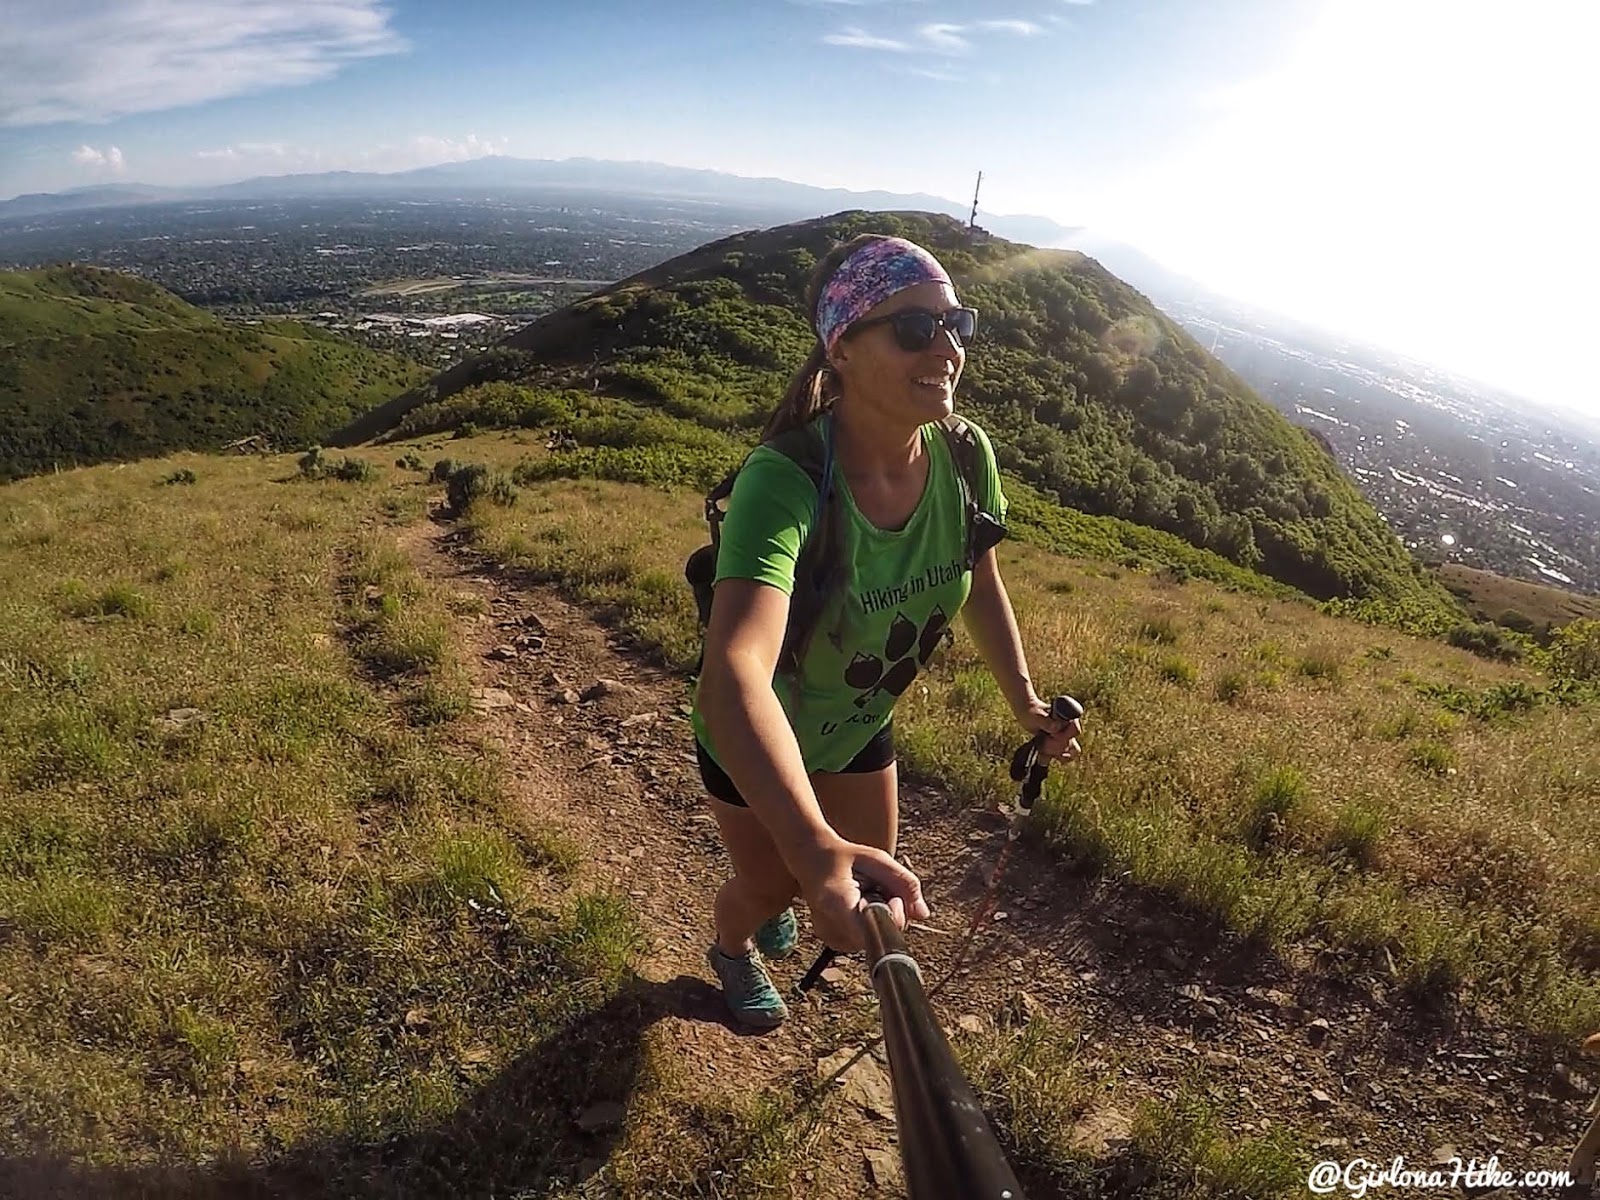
[701, 566]
[984, 529]
[809, 447]
[817, 567]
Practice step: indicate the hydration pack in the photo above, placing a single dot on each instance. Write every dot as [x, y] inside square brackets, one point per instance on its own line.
[818, 568]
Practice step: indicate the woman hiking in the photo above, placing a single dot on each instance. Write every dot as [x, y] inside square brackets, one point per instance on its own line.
[798, 755]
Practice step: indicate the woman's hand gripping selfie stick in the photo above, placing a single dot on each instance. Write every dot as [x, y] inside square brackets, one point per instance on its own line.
[1028, 769]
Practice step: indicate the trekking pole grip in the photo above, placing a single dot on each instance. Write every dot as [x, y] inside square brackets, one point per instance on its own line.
[1065, 708]
[1027, 768]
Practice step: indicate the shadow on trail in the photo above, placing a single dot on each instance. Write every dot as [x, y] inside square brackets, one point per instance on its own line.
[1139, 943]
[517, 1134]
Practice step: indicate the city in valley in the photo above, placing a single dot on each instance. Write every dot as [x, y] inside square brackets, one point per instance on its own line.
[1461, 472]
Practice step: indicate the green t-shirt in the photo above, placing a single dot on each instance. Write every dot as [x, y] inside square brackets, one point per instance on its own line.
[902, 589]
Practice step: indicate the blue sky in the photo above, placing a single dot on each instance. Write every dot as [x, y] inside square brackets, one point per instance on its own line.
[1410, 171]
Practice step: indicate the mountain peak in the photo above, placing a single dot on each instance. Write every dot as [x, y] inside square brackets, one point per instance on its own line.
[1095, 400]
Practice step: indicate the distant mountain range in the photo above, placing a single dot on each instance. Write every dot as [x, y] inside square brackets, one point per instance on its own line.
[498, 174]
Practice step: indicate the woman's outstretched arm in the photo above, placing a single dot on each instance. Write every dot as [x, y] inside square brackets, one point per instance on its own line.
[758, 749]
[989, 618]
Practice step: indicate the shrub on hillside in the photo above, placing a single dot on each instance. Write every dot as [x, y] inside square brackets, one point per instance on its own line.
[474, 481]
[1486, 641]
[1575, 652]
[352, 470]
[495, 405]
[184, 476]
[1514, 619]
[313, 465]
[661, 466]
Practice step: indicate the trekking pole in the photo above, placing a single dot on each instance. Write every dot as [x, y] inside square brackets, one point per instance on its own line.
[1027, 769]
[824, 961]
[946, 1144]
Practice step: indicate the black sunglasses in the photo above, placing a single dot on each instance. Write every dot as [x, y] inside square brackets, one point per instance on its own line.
[915, 328]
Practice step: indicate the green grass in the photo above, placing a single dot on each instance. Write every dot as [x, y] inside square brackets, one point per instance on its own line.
[1272, 801]
[1323, 662]
[1033, 1084]
[1178, 670]
[261, 887]
[1231, 686]
[1301, 850]
[1186, 1152]
[1432, 758]
[103, 366]
[1161, 629]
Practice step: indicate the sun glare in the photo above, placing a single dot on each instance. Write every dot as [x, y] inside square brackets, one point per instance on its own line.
[1414, 173]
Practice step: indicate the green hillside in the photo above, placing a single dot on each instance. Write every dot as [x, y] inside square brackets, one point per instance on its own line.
[95, 365]
[1095, 399]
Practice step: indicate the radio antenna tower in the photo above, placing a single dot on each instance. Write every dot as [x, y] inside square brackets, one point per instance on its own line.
[972, 221]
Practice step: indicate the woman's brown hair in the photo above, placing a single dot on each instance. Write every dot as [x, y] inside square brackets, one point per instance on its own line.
[813, 388]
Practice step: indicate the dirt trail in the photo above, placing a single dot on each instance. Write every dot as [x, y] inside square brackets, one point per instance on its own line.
[1155, 992]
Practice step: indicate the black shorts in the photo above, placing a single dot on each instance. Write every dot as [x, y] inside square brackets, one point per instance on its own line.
[874, 756]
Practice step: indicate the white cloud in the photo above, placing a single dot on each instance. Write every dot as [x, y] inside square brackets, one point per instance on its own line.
[946, 39]
[278, 150]
[94, 60]
[937, 73]
[109, 159]
[1020, 28]
[238, 159]
[935, 37]
[860, 39]
[423, 149]
[430, 149]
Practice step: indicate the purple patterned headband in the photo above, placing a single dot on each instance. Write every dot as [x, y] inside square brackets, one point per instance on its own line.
[867, 278]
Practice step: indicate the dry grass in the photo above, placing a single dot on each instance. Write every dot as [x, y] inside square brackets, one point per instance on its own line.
[307, 932]
[258, 887]
[1490, 597]
[1262, 763]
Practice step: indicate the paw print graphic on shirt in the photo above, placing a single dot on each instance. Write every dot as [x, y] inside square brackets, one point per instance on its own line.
[905, 649]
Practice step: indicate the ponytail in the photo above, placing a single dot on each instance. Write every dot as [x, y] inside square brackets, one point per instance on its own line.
[814, 387]
[807, 396]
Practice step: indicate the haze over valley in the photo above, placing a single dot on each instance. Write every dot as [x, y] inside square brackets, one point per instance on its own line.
[436, 266]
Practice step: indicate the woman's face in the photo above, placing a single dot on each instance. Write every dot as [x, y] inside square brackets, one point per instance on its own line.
[911, 386]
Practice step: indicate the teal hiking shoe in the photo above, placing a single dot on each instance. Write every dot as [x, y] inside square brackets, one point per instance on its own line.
[751, 997]
[777, 938]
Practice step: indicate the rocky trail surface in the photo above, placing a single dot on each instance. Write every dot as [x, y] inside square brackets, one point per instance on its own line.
[600, 746]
